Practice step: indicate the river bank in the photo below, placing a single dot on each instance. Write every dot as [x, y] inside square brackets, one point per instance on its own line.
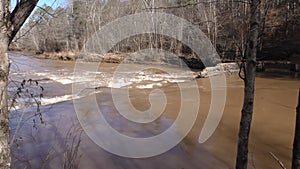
[190, 60]
[194, 63]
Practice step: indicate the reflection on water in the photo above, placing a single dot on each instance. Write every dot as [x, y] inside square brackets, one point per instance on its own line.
[272, 128]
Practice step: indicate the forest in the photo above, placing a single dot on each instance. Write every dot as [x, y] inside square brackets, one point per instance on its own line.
[224, 22]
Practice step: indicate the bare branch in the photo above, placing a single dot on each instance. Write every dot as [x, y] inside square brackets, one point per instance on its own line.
[277, 159]
[43, 9]
[19, 16]
[196, 3]
[37, 22]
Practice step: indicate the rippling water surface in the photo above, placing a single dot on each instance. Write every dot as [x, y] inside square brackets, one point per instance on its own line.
[45, 144]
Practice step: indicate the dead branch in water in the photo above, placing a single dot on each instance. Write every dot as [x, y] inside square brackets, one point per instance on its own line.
[277, 159]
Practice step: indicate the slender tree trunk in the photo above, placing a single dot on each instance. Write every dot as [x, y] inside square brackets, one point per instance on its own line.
[296, 149]
[251, 52]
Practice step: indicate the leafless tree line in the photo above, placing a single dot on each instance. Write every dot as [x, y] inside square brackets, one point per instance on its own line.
[225, 23]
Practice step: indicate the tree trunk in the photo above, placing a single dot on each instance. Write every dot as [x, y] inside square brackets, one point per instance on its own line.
[296, 149]
[4, 66]
[10, 23]
[4, 120]
[250, 55]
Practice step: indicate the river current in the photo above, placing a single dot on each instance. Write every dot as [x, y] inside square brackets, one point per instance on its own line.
[44, 143]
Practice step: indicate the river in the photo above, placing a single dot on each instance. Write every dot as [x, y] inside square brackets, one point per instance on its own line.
[37, 145]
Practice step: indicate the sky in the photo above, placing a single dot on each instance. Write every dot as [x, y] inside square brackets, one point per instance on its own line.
[55, 3]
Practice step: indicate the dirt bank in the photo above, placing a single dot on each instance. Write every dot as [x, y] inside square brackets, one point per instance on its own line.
[192, 61]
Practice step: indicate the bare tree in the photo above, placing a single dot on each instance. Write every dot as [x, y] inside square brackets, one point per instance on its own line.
[249, 81]
[10, 23]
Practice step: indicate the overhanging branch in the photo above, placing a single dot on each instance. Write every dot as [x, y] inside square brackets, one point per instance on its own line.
[19, 16]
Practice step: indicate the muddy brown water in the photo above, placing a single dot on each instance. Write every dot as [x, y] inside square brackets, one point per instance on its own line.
[272, 127]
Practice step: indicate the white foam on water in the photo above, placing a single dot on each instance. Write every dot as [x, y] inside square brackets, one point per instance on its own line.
[62, 78]
[90, 80]
[64, 81]
[176, 80]
[58, 99]
[149, 86]
[29, 102]
[118, 83]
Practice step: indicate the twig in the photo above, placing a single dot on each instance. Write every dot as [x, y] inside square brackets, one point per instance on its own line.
[277, 159]
[47, 12]
[242, 70]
